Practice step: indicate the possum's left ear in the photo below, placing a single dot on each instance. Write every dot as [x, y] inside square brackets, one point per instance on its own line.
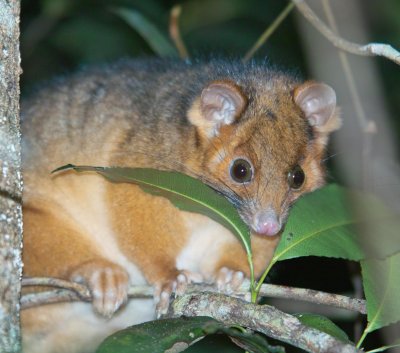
[318, 102]
[220, 103]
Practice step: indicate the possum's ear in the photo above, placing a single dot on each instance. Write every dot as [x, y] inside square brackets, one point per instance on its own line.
[318, 102]
[220, 103]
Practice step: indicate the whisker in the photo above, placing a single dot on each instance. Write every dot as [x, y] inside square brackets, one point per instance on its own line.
[330, 156]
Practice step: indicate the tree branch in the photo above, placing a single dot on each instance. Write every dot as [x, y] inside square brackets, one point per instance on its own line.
[313, 296]
[370, 49]
[263, 318]
[74, 292]
[203, 299]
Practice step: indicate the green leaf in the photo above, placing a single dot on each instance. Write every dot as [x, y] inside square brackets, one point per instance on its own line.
[154, 37]
[183, 191]
[323, 324]
[157, 336]
[381, 280]
[334, 222]
[178, 333]
[320, 225]
[249, 341]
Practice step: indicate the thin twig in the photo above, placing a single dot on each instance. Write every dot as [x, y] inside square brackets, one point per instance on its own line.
[263, 318]
[268, 32]
[175, 33]
[79, 289]
[267, 290]
[31, 300]
[67, 292]
[313, 296]
[369, 49]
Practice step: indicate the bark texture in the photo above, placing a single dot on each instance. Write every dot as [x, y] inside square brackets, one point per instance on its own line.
[262, 318]
[10, 177]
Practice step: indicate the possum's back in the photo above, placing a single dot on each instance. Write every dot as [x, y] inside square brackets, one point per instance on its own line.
[81, 115]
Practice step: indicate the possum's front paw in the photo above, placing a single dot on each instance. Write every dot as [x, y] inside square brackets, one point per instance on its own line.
[177, 285]
[107, 282]
[228, 280]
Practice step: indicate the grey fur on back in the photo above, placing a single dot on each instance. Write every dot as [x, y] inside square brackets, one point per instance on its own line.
[79, 114]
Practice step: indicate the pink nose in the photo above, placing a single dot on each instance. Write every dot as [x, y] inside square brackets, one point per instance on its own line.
[266, 223]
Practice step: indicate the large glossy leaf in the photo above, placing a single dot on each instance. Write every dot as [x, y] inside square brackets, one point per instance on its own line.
[323, 324]
[381, 280]
[157, 336]
[326, 223]
[184, 192]
[153, 36]
[175, 335]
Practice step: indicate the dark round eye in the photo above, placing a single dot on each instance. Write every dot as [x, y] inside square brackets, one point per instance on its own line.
[296, 177]
[241, 171]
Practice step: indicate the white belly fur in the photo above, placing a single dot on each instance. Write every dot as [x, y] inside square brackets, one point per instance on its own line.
[204, 246]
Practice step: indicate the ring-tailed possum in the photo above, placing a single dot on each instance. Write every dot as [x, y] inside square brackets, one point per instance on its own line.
[254, 133]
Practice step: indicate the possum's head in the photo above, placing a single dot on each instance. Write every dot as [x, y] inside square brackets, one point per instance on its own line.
[263, 145]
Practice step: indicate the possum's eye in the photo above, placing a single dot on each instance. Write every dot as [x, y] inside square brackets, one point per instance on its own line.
[296, 177]
[241, 171]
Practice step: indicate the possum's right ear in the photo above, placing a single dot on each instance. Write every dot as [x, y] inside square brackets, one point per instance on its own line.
[318, 103]
[220, 103]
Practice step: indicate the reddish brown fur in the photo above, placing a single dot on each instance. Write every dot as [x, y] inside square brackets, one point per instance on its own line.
[151, 233]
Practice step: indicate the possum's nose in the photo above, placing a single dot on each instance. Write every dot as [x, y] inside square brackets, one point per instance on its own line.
[266, 223]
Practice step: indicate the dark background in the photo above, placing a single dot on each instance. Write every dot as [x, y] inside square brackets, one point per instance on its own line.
[59, 36]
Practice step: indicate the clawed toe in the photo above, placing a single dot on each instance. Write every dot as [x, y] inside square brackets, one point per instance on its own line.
[177, 286]
[108, 284]
[228, 280]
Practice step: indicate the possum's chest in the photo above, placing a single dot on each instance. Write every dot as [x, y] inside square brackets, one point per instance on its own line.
[205, 246]
[155, 235]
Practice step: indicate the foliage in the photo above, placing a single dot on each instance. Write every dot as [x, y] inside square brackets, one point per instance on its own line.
[382, 288]
[331, 228]
[323, 324]
[157, 336]
[161, 335]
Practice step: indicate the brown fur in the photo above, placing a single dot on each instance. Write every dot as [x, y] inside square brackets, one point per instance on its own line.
[151, 114]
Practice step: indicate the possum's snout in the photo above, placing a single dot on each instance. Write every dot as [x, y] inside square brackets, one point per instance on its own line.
[266, 223]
